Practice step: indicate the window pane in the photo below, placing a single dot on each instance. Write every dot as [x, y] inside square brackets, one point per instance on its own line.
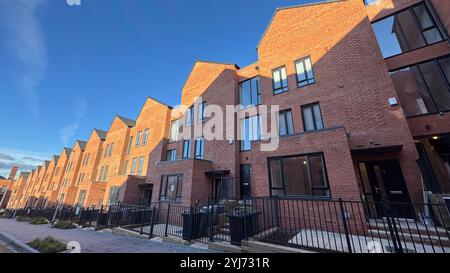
[174, 131]
[276, 79]
[410, 29]
[289, 121]
[318, 178]
[317, 117]
[432, 35]
[300, 67]
[309, 71]
[186, 148]
[180, 186]
[282, 124]
[308, 119]
[245, 134]
[171, 188]
[275, 173]
[423, 16]
[245, 95]
[435, 82]
[255, 94]
[445, 66]
[284, 77]
[133, 165]
[163, 187]
[295, 174]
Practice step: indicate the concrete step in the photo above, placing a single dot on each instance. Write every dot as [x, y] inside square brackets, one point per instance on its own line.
[224, 246]
[413, 237]
[253, 246]
[409, 225]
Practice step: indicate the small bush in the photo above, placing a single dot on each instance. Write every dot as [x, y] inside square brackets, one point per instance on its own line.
[5, 215]
[64, 225]
[39, 221]
[23, 219]
[48, 245]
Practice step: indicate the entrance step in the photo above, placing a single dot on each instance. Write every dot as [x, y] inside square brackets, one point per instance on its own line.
[415, 238]
[224, 246]
[253, 246]
[409, 225]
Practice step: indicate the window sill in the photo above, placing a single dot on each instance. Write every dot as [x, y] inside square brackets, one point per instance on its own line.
[282, 92]
[306, 85]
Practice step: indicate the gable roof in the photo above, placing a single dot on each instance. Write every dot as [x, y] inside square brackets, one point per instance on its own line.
[293, 7]
[101, 134]
[55, 159]
[67, 151]
[127, 121]
[81, 144]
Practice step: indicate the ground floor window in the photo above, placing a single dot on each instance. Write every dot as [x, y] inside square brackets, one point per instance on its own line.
[171, 187]
[113, 195]
[299, 175]
[81, 197]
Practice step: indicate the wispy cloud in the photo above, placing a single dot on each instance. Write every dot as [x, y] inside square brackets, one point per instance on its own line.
[67, 132]
[25, 42]
[25, 160]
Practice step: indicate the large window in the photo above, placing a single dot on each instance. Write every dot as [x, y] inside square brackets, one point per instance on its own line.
[249, 93]
[171, 188]
[407, 30]
[200, 148]
[312, 117]
[113, 195]
[133, 166]
[106, 151]
[250, 130]
[201, 114]
[285, 124]
[186, 148]
[174, 130]
[171, 155]
[111, 149]
[304, 72]
[138, 138]
[130, 143]
[303, 175]
[190, 116]
[424, 88]
[81, 197]
[141, 165]
[280, 82]
[145, 140]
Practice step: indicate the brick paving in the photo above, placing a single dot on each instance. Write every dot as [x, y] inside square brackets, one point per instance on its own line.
[92, 241]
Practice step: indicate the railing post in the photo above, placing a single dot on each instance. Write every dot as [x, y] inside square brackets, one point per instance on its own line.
[143, 218]
[245, 219]
[189, 231]
[392, 228]
[210, 220]
[167, 220]
[107, 217]
[81, 216]
[152, 221]
[344, 221]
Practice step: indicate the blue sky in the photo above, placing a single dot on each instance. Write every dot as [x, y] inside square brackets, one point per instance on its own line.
[65, 70]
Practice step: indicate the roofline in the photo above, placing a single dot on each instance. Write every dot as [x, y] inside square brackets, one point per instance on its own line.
[293, 7]
[158, 101]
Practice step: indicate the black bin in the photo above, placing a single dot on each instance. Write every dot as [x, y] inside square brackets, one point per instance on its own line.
[237, 226]
[198, 228]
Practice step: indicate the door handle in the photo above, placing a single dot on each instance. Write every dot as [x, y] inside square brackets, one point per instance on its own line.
[377, 190]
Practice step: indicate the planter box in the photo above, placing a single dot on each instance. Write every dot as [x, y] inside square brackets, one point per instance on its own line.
[237, 230]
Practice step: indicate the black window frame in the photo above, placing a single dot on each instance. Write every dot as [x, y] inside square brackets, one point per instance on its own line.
[313, 116]
[309, 81]
[178, 195]
[282, 89]
[259, 130]
[201, 115]
[190, 121]
[172, 153]
[177, 121]
[186, 149]
[285, 122]
[200, 155]
[258, 93]
[312, 188]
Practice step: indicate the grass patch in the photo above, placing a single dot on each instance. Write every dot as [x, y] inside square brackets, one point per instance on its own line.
[39, 221]
[23, 219]
[64, 225]
[5, 215]
[48, 245]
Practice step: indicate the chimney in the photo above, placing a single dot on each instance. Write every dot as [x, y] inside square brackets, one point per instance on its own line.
[13, 172]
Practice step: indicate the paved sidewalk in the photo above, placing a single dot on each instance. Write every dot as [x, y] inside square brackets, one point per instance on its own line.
[92, 241]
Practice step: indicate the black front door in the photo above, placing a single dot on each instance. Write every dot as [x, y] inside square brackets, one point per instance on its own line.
[384, 181]
[245, 180]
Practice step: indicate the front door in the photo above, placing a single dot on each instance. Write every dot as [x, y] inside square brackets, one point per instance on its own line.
[245, 180]
[384, 181]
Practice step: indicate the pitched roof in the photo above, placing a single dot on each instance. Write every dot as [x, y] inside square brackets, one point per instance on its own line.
[127, 121]
[55, 159]
[293, 7]
[46, 163]
[101, 134]
[82, 144]
[67, 151]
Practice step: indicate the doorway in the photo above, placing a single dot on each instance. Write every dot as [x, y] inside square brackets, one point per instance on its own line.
[245, 180]
[384, 181]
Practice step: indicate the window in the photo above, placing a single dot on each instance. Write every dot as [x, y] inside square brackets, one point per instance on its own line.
[80, 178]
[133, 166]
[105, 174]
[304, 70]
[113, 195]
[249, 93]
[171, 155]
[145, 140]
[100, 176]
[81, 197]
[186, 148]
[106, 151]
[64, 182]
[111, 148]
[312, 118]
[190, 116]
[424, 88]
[171, 187]
[141, 165]
[201, 114]
[130, 142]
[86, 161]
[57, 171]
[285, 124]
[174, 129]
[125, 167]
[250, 130]
[138, 138]
[280, 83]
[407, 30]
[4, 189]
[200, 148]
[298, 176]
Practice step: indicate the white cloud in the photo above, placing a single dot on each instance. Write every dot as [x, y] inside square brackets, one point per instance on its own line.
[25, 160]
[68, 132]
[25, 42]
[73, 2]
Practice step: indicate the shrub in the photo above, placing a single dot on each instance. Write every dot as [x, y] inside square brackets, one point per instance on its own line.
[23, 219]
[64, 225]
[5, 215]
[48, 245]
[39, 221]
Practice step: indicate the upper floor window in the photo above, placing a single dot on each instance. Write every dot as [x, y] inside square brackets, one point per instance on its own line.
[100, 176]
[424, 88]
[81, 197]
[105, 174]
[106, 151]
[133, 166]
[200, 148]
[407, 30]
[298, 176]
[249, 93]
[190, 116]
[125, 167]
[280, 82]
[174, 130]
[250, 130]
[304, 72]
[141, 165]
[312, 117]
[171, 155]
[138, 138]
[285, 124]
[186, 148]
[201, 114]
[111, 149]
[130, 142]
[145, 140]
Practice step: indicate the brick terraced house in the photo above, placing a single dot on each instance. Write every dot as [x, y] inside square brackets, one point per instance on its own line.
[363, 89]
